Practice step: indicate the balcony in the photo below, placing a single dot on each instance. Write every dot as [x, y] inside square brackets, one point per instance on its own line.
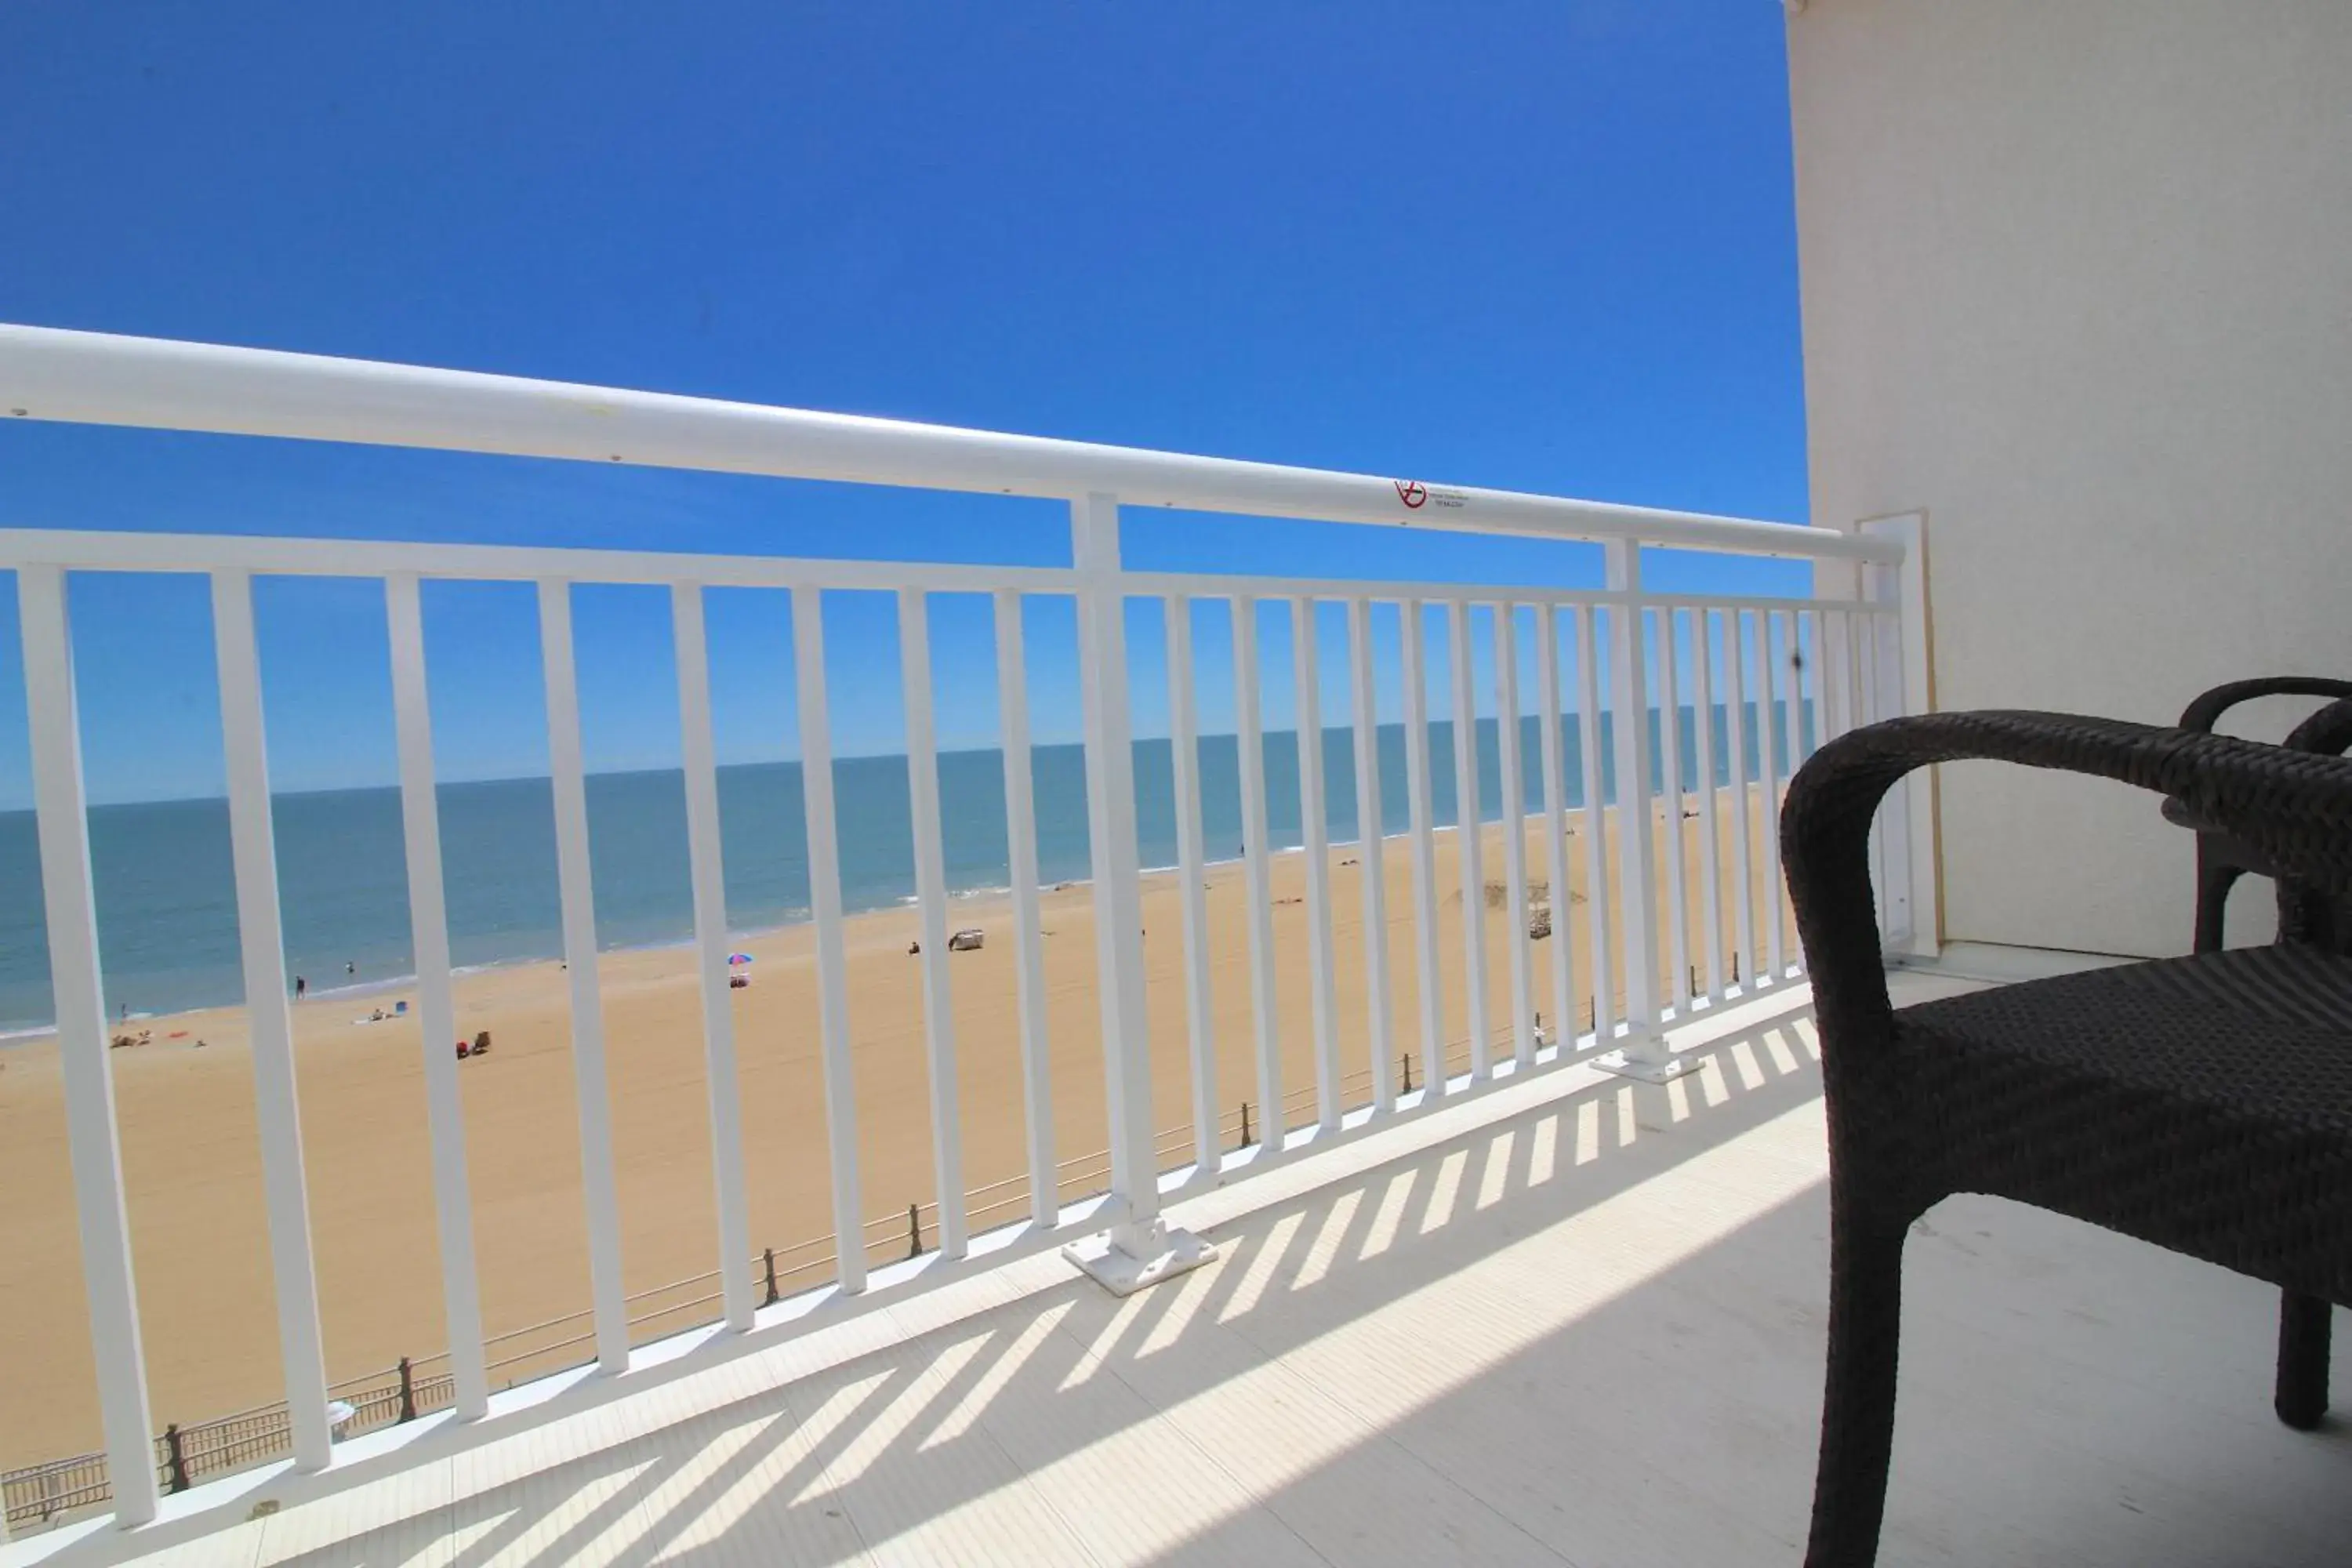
[1469, 1190]
[1575, 1320]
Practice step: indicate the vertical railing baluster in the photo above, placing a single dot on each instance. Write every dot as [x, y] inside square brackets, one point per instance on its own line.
[1250, 741]
[61, 821]
[931, 915]
[1793, 683]
[1598, 906]
[1768, 766]
[1421, 805]
[707, 877]
[1515, 830]
[832, 960]
[428, 921]
[1872, 707]
[1315, 848]
[1837, 675]
[1563, 959]
[576, 887]
[1192, 899]
[1467, 848]
[1028, 941]
[1908, 838]
[1814, 680]
[1911, 909]
[1808, 638]
[1373, 855]
[1710, 826]
[261, 939]
[1783, 730]
[1735, 676]
[1670, 814]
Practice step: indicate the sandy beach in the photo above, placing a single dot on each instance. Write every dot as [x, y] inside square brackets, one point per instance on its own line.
[192, 1161]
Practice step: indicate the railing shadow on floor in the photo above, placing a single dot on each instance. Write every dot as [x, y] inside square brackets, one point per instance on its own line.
[774, 1462]
[1652, 1400]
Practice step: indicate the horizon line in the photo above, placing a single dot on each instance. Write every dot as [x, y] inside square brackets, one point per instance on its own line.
[783, 760]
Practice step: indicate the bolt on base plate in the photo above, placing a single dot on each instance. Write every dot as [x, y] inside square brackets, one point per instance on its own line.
[1167, 1253]
[1659, 1069]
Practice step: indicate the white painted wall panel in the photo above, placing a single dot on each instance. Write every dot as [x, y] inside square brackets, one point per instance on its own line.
[2077, 280]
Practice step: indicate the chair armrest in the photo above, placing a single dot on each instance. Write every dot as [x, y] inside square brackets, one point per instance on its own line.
[2327, 731]
[2305, 914]
[2206, 710]
[2294, 806]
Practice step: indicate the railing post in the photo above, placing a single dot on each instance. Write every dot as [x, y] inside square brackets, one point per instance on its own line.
[1139, 1249]
[1910, 917]
[1645, 1054]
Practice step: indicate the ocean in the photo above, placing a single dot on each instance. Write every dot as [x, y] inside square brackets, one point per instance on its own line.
[166, 898]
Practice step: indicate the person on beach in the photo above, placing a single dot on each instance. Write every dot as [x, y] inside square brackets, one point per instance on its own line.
[300, 986]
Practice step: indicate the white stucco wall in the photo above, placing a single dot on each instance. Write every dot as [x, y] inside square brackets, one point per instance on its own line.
[2077, 280]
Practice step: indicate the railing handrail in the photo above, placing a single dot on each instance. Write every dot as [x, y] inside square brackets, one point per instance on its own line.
[104, 378]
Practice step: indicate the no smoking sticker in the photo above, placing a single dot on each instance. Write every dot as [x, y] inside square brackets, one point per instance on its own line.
[1416, 495]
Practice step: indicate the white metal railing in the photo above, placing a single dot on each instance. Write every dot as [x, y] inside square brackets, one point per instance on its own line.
[1857, 636]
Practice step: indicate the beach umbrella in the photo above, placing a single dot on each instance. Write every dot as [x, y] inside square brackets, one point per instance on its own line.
[739, 958]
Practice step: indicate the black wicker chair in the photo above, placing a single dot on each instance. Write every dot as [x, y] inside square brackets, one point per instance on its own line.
[2201, 1103]
[2304, 1326]
[2220, 859]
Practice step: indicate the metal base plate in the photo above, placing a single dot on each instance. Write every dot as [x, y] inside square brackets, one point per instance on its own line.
[1123, 1274]
[1624, 1064]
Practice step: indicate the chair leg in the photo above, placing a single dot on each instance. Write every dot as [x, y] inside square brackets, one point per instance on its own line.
[2302, 1396]
[2215, 878]
[1858, 1406]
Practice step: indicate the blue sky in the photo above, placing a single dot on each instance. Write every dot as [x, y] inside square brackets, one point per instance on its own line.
[1533, 245]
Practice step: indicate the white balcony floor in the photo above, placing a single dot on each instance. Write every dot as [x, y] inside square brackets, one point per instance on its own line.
[1582, 1323]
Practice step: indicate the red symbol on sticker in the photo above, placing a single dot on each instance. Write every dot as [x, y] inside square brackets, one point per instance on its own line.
[1413, 493]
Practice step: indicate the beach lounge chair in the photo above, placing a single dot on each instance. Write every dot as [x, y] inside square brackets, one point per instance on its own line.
[2201, 1103]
